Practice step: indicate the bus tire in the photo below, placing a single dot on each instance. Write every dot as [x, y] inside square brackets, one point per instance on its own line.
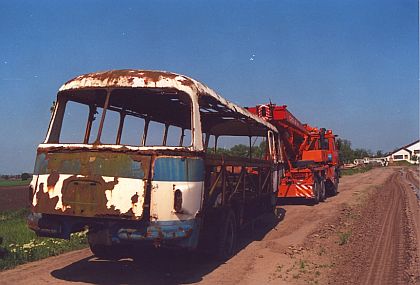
[226, 242]
[107, 252]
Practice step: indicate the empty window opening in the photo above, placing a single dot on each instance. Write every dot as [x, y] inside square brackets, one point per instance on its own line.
[74, 123]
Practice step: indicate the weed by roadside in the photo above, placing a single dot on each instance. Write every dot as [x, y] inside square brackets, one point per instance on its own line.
[20, 245]
[344, 237]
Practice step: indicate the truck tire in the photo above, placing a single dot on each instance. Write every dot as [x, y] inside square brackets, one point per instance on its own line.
[332, 187]
[322, 190]
[226, 242]
[316, 188]
[337, 181]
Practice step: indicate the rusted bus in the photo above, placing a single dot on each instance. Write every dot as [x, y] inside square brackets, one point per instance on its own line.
[159, 189]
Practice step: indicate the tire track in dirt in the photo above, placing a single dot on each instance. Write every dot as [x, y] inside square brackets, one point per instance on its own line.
[387, 249]
[413, 178]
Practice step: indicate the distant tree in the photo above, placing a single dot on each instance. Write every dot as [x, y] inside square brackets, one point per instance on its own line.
[379, 153]
[259, 151]
[345, 152]
[219, 151]
[361, 153]
[25, 176]
[348, 155]
[239, 150]
[5, 177]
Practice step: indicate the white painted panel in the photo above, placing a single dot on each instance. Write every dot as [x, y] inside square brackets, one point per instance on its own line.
[162, 200]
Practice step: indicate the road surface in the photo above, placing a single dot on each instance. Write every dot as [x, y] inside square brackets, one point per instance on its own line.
[367, 234]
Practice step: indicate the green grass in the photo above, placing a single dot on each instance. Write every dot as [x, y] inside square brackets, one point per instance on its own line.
[302, 264]
[21, 245]
[344, 237]
[401, 163]
[9, 183]
[352, 171]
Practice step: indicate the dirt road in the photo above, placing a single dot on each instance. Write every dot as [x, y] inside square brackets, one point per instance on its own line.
[367, 234]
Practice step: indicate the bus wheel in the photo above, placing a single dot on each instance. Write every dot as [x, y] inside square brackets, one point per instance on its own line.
[103, 251]
[226, 243]
[108, 252]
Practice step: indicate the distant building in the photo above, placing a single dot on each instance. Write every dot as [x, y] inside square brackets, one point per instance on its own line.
[409, 153]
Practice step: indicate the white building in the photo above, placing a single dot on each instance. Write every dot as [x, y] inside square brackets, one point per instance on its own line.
[410, 153]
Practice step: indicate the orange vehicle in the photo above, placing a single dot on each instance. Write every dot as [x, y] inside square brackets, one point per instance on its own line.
[309, 154]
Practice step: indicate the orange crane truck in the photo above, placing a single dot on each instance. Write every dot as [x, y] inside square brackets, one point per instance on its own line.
[309, 154]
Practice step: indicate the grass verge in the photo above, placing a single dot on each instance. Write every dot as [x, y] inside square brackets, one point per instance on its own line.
[11, 183]
[20, 245]
[352, 171]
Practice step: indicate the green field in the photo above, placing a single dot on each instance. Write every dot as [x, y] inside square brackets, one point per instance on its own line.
[20, 245]
[9, 183]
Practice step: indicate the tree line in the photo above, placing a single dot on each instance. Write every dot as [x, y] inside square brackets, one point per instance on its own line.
[23, 176]
[346, 153]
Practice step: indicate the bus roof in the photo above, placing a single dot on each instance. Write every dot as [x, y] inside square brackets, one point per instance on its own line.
[134, 78]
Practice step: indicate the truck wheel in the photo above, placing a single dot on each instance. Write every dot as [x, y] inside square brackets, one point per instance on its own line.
[332, 187]
[322, 190]
[337, 181]
[316, 189]
[226, 243]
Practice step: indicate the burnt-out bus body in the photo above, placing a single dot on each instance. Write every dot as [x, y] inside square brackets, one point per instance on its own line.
[137, 166]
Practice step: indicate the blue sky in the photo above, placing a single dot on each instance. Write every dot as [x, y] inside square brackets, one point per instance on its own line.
[352, 66]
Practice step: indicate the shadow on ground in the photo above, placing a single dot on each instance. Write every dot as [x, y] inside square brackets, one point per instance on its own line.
[298, 201]
[160, 266]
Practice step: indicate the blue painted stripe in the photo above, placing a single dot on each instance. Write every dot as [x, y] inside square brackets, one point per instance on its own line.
[179, 169]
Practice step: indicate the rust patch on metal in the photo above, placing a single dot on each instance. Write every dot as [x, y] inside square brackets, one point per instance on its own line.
[135, 199]
[52, 181]
[114, 78]
[47, 202]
